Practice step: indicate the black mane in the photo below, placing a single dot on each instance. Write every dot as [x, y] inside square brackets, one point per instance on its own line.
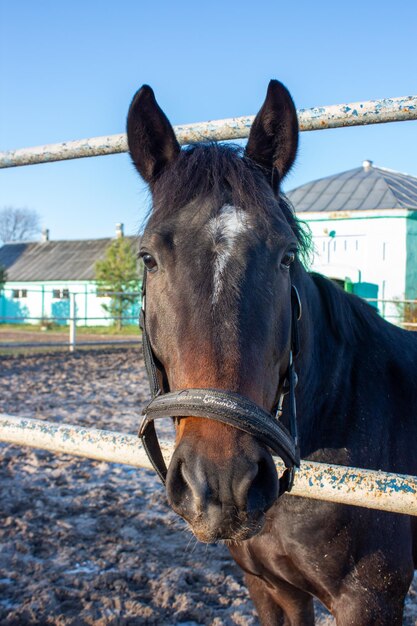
[348, 316]
[352, 319]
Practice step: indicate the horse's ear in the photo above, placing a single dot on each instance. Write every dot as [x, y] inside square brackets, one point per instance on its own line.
[150, 136]
[273, 138]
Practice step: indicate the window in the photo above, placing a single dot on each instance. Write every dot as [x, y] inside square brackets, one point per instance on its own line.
[60, 294]
[19, 293]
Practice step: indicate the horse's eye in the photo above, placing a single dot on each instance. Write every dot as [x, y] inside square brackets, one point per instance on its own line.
[287, 259]
[149, 262]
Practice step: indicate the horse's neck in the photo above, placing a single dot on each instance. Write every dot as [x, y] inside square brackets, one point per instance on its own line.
[323, 367]
[356, 380]
[320, 352]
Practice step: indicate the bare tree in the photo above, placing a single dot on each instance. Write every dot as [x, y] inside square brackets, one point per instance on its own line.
[18, 224]
[3, 278]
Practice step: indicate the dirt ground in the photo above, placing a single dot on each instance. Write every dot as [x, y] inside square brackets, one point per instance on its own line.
[90, 543]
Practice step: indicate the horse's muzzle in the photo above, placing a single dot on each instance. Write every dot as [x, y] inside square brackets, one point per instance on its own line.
[222, 496]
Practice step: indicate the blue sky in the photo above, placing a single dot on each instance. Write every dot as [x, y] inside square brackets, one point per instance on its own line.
[69, 69]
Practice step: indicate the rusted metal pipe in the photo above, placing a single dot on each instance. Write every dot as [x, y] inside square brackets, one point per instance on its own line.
[320, 481]
[316, 118]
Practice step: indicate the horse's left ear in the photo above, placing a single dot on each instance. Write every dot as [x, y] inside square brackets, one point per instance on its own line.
[151, 138]
[273, 139]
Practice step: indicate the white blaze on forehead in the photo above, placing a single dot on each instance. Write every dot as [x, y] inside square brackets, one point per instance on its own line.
[225, 229]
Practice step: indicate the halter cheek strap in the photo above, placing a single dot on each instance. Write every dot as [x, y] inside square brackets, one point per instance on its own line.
[222, 406]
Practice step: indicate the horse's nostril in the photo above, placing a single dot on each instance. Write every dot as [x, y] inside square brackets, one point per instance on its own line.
[263, 490]
[176, 485]
[187, 490]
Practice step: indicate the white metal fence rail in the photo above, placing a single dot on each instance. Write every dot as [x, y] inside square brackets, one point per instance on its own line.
[391, 492]
[316, 118]
[320, 481]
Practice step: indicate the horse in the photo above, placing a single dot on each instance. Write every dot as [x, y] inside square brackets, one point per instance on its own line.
[223, 250]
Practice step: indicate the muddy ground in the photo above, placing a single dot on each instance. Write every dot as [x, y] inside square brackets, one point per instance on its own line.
[89, 543]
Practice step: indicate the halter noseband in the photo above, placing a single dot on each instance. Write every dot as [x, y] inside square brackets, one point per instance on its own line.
[223, 406]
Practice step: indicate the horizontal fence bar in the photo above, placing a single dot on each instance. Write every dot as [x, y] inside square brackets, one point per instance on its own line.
[107, 294]
[320, 481]
[317, 118]
[80, 318]
[66, 344]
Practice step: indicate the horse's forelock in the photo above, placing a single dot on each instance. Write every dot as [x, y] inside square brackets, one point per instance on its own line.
[221, 173]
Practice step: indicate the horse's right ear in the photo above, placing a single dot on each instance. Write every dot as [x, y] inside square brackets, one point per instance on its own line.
[150, 136]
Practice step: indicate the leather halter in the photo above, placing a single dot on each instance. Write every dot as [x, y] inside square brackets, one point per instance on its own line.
[223, 406]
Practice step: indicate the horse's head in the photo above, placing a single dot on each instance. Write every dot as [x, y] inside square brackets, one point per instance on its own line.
[219, 249]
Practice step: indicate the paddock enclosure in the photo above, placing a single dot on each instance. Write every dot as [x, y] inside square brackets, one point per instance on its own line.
[317, 118]
[92, 542]
[350, 485]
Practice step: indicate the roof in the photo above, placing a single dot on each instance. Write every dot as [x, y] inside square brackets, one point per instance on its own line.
[364, 188]
[54, 260]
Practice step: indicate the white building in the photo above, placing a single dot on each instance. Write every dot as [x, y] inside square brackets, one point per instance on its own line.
[41, 276]
[364, 227]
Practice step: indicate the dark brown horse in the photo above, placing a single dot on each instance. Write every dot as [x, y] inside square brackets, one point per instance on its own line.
[222, 248]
